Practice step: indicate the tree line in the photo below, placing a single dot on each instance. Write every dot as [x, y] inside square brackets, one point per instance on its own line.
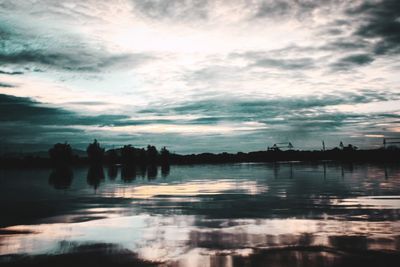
[129, 156]
[62, 153]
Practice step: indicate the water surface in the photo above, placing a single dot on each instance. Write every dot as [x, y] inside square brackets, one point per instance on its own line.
[278, 214]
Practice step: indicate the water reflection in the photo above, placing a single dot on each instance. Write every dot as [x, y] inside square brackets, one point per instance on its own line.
[165, 169]
[179, 240]
[112, 172]
[95, 176]
[61, 177]
[128, 173]
[152, 171]
[281, 214]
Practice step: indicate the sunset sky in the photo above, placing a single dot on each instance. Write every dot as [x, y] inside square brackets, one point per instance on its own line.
[199, 75]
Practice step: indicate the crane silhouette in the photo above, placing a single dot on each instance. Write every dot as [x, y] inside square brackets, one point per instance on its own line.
[280, 146]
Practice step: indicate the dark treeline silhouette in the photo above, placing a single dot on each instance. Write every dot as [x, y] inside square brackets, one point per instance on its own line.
[132, 158]
[129, 155]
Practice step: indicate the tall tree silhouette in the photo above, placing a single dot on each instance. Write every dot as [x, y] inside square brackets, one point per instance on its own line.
[95, 153]
[164, 156]
[152, 154]
[61, 154]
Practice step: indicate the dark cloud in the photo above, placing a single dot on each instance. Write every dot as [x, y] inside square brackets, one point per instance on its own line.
[6, 85]
[273, 8]
[379, 20]
[33, 124]
[73, 60]
[215, 110]
[301, 9]
[25, 110]
[347, 44]
[348, 62]
[296, 118]
[22, 46]
[87, 103]
[14, 109]
[278, 59]
[23, 120]
[285, 64]
[194, 10]
[213, 74]
[11, 72]
[172, 9]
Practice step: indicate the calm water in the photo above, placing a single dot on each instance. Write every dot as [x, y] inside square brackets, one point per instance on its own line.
[207, 215]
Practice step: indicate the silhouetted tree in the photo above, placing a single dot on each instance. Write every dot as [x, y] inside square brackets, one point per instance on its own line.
[95, 153]
[152, 154]
[61, 154]
[164, 156]
[128, 155]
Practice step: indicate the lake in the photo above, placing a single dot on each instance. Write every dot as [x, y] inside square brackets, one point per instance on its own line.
[275, 214]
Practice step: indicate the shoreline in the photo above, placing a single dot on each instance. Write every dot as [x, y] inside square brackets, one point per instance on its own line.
[355, 156]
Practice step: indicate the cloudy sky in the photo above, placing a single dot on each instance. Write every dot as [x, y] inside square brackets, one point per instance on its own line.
[199, 75]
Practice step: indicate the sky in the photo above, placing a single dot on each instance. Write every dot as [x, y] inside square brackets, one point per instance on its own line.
[199, 75]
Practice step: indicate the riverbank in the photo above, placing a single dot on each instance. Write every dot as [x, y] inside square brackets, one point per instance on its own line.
[373, 155]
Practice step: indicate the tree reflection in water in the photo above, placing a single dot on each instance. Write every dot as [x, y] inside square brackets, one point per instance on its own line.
[215, 215]
[128, 173]
[112, 172]
[61, 177]
[95, 176]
